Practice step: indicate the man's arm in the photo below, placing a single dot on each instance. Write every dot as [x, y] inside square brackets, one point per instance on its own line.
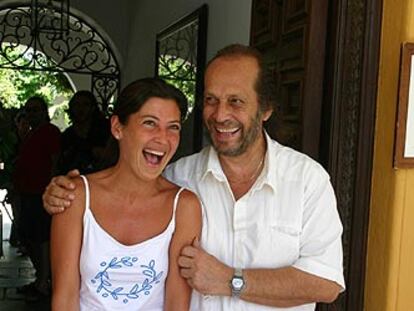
[287, 287]
[282, 287]
[59, 193]
[315, 276]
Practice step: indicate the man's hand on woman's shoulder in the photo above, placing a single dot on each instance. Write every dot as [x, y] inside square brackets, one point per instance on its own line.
[59, 193]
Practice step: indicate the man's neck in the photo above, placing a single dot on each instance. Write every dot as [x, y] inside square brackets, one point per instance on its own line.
[243, 170]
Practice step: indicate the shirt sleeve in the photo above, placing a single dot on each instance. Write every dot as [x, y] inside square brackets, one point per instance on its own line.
[320, 240]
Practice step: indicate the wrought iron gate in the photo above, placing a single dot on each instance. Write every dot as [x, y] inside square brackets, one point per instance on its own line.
[80, 49]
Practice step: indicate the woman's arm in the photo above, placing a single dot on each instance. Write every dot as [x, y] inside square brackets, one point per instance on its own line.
[187, 228]
[66, 242]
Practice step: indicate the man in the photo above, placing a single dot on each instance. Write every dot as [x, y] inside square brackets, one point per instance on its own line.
[271, 233]
[35, 164]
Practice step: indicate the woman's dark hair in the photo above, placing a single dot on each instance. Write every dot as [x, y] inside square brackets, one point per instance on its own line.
[132, 98]
[136, 94]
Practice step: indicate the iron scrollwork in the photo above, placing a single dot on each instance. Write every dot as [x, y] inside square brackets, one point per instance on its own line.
[80, 50]
[177, 59]
[180, 60]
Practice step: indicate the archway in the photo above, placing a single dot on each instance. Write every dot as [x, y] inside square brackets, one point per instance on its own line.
[81, 50]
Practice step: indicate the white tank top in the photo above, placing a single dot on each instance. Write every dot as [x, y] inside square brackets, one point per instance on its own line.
[122, 277]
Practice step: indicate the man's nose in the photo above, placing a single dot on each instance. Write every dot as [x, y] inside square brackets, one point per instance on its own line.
[221, 112]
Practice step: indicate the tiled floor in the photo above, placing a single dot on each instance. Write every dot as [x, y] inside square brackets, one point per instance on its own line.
[16, 271]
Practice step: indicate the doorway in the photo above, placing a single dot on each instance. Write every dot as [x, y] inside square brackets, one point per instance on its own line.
[324, 56]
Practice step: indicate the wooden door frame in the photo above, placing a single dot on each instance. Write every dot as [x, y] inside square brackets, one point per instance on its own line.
[348, 125]
[341, 74]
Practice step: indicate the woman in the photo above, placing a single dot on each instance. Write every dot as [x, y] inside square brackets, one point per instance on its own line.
[112, 251]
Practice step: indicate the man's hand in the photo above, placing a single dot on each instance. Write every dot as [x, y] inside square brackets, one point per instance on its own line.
[59, 193]
[204, 272]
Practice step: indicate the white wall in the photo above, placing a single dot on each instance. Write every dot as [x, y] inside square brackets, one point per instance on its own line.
[131, 27]
[228, 22]
[112, 20]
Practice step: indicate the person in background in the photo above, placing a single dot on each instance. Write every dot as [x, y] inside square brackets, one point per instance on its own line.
[117, 248]
[84, 141]
[271, 237]
[22, 128]
[36, 162]
[22, 124]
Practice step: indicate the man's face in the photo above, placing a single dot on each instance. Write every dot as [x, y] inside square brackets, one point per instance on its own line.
[231, 109]
[82, 110]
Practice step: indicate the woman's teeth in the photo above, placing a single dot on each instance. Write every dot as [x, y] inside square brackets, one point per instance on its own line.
[153, 156]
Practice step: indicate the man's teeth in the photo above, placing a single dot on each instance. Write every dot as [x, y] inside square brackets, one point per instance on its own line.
[226, 130]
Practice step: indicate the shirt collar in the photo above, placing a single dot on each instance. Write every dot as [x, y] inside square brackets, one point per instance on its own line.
[212, 165]
[268, 175]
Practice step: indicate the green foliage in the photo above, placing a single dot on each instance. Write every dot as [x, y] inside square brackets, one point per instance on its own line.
[177, 72]
[16, 86]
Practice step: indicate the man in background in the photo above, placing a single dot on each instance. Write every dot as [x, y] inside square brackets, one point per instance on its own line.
[36, 161]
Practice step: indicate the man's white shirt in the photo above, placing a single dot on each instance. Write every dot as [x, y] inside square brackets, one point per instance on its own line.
[288, 218]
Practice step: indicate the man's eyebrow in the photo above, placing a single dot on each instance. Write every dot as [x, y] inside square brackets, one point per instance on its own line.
[238, 95]
[174, 122]
[209, 94]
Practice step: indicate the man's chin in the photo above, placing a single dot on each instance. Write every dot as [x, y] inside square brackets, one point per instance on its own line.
[224, 148]
[228, 151]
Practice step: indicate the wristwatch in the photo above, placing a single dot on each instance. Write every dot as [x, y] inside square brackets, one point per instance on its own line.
[237, 283]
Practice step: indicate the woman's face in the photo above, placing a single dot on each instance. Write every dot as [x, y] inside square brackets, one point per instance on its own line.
[150, 137]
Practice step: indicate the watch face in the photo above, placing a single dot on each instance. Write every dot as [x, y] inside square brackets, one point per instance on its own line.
[237, 283]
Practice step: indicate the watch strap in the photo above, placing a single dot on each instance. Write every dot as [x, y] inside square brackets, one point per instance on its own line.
[237, 282]
[238, 272]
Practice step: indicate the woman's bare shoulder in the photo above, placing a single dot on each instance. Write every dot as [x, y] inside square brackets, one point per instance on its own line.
[186, 197]
[79, 189]
[78, 204]
[189, 207]
[100, 180]
[189, 197]
[99, 175]
[188, 218]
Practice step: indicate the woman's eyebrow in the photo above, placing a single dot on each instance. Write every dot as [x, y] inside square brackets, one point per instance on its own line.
[149, 116]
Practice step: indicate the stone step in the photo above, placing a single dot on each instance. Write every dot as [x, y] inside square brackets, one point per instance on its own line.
[14, 283]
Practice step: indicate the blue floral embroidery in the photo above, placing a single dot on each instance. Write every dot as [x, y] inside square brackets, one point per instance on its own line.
[103, 279]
